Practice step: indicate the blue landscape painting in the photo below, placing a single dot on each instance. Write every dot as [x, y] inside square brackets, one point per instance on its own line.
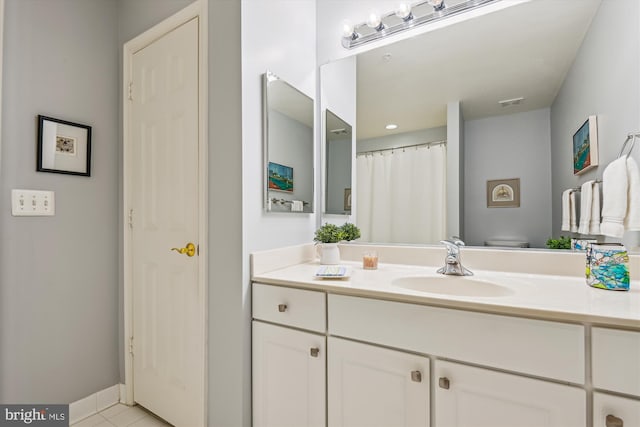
[280, 177]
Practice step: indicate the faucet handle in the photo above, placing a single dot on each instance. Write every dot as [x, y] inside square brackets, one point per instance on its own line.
[456, 240]
[452, 247]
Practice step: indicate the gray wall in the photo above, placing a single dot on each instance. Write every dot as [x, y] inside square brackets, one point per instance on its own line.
[604, 80]
[509, 146]
[58, 275]
[338, 173]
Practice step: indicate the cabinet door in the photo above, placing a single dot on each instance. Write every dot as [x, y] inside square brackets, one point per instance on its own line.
[467, 396]
[615, 411]
[289, 372]
[371, 386]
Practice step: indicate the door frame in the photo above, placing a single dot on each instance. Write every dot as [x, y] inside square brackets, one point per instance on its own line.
[197, 9]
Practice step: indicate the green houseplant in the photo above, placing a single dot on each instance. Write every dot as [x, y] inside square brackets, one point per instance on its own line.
[561, 242]
[329, 235]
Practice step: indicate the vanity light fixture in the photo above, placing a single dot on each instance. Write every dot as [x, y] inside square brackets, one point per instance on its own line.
[391, 126]
[406, 15]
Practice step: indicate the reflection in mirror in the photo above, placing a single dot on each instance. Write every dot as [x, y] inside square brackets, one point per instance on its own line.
[525, 83]
[338, 165]
[288, 147]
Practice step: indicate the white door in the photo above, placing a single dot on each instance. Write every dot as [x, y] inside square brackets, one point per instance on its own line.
[467, 396]
[168, 320]
[370, 386]
[288, 377]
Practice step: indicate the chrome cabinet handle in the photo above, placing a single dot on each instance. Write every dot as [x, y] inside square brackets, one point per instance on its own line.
[416, 376]
[314, 351]
[444, 383]
[613, 421]
[282, 308]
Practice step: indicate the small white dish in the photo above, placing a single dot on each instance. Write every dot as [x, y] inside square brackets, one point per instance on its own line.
[333, 272]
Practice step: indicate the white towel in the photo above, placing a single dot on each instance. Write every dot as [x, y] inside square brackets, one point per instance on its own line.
[586, 202]
[297, 206]
[574, 216]
[594, 224]
[614, 198]
[566, 210]
[632, 219]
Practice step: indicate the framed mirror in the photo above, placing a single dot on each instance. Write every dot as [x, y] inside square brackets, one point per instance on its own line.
[338, 156]
[288, 147]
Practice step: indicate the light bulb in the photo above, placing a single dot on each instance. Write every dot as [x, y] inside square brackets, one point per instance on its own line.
[437, 4]
[347, 29]
[391, 126]
[403, 11]
[374, 21]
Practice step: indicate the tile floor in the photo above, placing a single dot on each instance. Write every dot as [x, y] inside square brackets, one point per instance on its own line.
[122, 416]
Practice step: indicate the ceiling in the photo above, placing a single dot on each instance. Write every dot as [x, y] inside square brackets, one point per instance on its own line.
[521, 51]
[289, 101]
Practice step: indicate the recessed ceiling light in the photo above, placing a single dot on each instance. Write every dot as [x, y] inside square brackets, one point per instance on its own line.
[391, 126]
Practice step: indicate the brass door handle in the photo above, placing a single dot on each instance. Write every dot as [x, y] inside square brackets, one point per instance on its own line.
[189, 250]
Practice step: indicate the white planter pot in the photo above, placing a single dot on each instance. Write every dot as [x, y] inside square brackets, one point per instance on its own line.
[329, 253]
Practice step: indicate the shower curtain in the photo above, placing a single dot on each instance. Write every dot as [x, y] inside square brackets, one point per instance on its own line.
[401, 195]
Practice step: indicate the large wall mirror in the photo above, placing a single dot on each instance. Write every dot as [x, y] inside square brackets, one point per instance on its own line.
[288, 147]
[512, 86]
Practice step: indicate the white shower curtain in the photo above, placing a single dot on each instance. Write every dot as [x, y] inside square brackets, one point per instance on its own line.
[401, 195]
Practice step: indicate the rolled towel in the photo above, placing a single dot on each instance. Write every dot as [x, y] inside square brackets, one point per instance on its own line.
[566, 210]
[586, 202]
[632, 219]
[614, 198]
[594, 224]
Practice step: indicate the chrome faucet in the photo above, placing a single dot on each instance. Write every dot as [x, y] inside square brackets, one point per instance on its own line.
[452, 265]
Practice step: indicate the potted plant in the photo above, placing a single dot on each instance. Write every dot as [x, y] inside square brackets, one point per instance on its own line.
[561, 242]
[329, 235]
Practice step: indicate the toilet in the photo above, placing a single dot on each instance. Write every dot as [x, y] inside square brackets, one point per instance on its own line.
[507, 243]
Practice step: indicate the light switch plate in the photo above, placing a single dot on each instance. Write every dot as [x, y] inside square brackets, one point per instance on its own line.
[32, 203]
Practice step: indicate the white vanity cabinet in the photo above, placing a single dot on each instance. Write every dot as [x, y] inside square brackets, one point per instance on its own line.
[470, 396]
[288, 365]
[373, 386]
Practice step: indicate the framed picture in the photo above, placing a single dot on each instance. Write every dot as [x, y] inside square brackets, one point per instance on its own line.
[503, 193]
[280, 177]
[347, 199]
[585, 146]
[63, 147]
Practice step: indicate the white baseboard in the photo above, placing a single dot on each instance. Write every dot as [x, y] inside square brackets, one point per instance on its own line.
[90, 405]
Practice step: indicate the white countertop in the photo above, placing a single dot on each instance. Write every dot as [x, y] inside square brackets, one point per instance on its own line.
[564, 298]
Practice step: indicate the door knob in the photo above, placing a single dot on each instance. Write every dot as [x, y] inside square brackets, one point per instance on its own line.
[444, 383]
[189, 250]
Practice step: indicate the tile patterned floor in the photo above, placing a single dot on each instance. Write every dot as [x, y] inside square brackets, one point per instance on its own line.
[122, 416]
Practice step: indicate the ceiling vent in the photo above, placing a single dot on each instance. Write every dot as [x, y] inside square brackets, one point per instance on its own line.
[509, 102]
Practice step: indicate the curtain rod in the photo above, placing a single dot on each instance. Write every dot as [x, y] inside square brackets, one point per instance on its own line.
[423, 144]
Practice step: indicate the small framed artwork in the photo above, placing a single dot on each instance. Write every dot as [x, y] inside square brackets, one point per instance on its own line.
[347, 199]
[280, 177]
[63, 147]
[503, 193]
[585, 146]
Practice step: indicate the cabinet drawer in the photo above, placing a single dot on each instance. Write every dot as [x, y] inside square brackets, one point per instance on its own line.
[616, 356]
[288, 306]
[542, 348]
[615, 411]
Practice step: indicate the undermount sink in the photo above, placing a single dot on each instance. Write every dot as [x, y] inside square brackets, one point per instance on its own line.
[452, 285]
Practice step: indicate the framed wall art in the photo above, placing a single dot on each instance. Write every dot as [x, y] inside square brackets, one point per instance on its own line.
[503, 193]
[280, 177]
[63, 147]
[585, 146]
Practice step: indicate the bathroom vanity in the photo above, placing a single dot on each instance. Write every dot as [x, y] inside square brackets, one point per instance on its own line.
[396, 347]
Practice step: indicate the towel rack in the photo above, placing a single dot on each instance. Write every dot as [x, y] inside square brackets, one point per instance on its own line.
[630, 137]
[574, 189]
[285, 202]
